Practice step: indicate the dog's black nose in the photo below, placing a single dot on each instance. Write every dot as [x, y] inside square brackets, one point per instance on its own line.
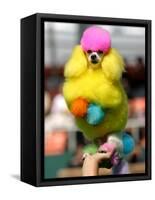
[93, 57]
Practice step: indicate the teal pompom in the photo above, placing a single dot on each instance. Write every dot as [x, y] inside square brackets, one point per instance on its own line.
[128, 143]
[95, 114]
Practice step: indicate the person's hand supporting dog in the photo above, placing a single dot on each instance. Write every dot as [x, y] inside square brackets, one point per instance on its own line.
[91, 163]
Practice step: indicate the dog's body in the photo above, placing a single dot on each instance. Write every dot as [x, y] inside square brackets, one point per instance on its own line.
[93, 85]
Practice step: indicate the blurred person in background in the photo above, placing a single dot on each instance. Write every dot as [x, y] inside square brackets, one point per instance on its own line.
[77, 156]
[139, 153]
[48, 102]
[59, 104]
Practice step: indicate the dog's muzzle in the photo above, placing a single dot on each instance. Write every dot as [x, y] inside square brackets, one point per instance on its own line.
[94, 58]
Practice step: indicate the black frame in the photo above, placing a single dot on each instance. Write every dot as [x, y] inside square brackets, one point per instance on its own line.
[32, 98]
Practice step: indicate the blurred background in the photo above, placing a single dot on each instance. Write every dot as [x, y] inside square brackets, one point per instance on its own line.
[64, 143]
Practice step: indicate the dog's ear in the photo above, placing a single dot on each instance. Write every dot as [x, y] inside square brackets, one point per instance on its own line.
[77, 63]
[113, 65]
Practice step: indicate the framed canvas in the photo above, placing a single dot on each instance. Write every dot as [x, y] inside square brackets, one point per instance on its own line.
[85, 99]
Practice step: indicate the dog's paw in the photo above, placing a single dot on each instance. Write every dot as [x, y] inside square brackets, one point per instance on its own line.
[107, 147]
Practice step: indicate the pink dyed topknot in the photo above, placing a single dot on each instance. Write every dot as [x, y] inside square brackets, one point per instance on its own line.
[95, 38]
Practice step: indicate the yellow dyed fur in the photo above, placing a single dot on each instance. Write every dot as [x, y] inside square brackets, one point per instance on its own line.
[102, 86]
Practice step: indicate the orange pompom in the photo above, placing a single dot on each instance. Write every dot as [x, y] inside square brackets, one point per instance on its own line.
[79, 107]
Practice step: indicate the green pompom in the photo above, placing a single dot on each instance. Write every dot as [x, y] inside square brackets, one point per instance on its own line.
[90, 148]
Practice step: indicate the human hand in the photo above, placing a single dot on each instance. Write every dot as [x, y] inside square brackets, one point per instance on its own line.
[91, 163]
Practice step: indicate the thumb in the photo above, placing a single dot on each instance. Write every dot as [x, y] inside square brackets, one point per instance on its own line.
[103, 156]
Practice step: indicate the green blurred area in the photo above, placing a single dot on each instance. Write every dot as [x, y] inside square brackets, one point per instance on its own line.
[54, 163]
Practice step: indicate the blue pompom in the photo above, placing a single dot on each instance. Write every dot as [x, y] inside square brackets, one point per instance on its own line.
[95, 114]
[128, 143]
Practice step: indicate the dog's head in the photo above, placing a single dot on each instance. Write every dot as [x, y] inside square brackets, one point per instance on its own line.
[95, 52]
[95, 42]
[94, 57]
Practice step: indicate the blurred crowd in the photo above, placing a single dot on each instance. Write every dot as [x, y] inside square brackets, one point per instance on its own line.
[64, 143]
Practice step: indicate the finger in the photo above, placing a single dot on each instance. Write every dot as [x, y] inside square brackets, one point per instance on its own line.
[102, 151]
[103, 156]
[85, 155]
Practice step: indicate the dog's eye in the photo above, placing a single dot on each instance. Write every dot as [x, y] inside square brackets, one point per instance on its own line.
[89, 51]
[99, 52]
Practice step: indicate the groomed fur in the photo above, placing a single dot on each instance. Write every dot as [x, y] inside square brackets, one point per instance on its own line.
[101, 86]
